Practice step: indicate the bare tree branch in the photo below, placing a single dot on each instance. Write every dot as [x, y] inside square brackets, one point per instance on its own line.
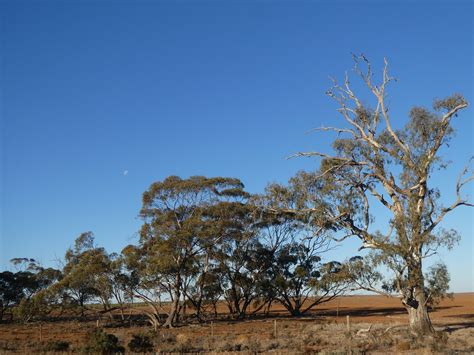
[459, 200]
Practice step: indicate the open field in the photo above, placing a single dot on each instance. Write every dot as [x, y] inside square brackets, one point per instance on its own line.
[325, 329]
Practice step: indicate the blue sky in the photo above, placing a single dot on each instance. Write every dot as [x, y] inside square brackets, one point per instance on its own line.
[91, 89]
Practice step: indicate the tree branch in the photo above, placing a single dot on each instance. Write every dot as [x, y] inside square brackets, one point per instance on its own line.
[459, 200]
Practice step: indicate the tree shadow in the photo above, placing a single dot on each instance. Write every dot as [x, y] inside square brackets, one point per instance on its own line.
[466, 316]
[361, 312]
[451, 327]
[370, 311]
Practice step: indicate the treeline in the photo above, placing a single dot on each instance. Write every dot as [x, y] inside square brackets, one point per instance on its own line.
[204, 242]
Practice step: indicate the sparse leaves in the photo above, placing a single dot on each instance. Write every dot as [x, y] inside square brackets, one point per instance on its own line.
[380, 165]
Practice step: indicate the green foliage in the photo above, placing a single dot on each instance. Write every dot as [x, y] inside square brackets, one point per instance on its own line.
[449, 103]
[184, 219]
[437, 284]
[100, 342]
[243, 267]
[293, 237]
[19, 290]
[11, 291]
[36, 307]
[140, 343]
[56, 346]
[86, 274]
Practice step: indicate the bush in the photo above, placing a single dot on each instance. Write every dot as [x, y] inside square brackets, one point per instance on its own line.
[36, 307]
[140, 343]
[102, 343]
[56, 345]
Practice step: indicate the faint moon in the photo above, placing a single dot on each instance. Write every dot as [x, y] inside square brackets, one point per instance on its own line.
[125, 172]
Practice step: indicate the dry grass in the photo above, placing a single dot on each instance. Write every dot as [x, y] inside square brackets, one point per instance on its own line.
[310, 335]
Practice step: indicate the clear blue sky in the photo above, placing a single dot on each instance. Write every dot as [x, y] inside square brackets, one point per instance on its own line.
[91, 89]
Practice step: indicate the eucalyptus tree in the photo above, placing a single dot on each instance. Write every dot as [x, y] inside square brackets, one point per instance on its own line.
[244, 266]
[377, 165]
[14, 287]
[120, 284]
[23, 291]
[176, 237]
[232, 222]
[296, 245]
[143, 282]
[10, 293]
[86, 274]
[302, 281]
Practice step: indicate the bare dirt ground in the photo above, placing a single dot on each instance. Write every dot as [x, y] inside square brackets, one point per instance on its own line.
[322, 331]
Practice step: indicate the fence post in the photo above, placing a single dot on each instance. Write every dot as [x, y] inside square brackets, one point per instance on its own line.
[348, 321]
[275, 333]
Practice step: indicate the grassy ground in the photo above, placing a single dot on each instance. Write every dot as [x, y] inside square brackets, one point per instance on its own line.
[323, 331]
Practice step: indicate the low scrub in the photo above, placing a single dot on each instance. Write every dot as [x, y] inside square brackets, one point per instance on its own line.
[141, 343]
[100, 342]
[56, 346]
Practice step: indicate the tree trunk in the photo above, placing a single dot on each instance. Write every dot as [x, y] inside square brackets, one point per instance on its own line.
[297, 309]
[81, 304]
[269, 306]
[296, 313]
[416, 303]
[420, 320]
[174, 308]
[174, 304]
[154, 320]
[122, 315]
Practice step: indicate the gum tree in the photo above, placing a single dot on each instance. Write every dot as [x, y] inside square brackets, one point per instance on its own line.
[86, 274]
[295, 245]
[176, 237]
[375, 165]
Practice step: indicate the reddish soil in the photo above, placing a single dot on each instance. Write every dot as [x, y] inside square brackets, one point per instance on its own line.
[451, 315]
[378, 309]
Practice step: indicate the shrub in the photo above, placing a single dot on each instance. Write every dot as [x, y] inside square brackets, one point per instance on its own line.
[37, 307]
[140, 343]
[56, 345]
[102, 343]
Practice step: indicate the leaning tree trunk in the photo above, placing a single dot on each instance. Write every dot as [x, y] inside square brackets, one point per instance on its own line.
[173, 311]
[416, 303]
[174, 304]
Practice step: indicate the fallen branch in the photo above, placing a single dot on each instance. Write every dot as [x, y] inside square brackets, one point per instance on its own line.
[364, 332]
